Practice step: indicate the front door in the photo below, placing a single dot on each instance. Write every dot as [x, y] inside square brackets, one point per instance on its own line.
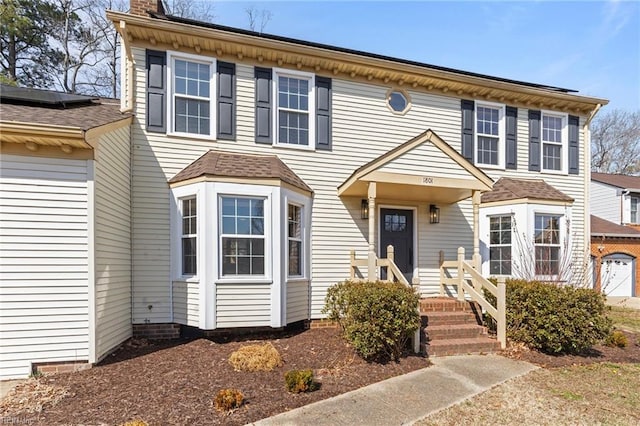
[396, 229]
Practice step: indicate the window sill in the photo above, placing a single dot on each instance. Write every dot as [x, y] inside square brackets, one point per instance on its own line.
[554, 172]
[244, 280]
[490, 166]
[190, 279]
[208, 138]
[294, 146]
[294, 280]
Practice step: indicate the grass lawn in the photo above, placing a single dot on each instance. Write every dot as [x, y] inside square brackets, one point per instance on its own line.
[594, 394]
[599, 393]
[626, 318]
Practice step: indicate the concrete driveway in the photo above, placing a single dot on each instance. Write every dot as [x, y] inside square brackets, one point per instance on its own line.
[625, 302]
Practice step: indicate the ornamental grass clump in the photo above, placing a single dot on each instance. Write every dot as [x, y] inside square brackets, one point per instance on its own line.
[376, 317]
[256, 358]
[552, 318]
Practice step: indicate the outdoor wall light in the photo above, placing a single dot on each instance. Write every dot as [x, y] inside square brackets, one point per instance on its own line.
[434, 214]
[364, 209]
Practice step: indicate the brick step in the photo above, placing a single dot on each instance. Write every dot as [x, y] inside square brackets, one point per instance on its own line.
[449, 347]
[447, 304]
[448, 318]
[457, 331]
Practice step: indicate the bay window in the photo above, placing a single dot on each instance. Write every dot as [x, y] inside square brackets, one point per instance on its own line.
[500, 245]
[294, 238]
[189, 236]
[242, 237]
[547, 244]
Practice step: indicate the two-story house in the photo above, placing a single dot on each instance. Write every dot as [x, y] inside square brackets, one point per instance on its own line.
[615, 233]
[259, 163]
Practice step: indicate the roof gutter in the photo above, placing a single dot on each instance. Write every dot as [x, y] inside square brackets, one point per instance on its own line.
[605, 234]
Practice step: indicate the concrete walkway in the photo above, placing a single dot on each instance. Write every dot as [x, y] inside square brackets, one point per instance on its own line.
[624, 302]
[7, 385]
[408, 398]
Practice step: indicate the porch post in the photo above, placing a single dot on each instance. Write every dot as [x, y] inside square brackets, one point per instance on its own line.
[476, 259]
[371, 270]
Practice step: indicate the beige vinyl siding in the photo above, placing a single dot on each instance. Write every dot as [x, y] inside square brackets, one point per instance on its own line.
[439, 164]
[605, 202]
[112, 241]
[243, 305]
[363, 128]
[43, 262]
[186, 303]
[297, 301]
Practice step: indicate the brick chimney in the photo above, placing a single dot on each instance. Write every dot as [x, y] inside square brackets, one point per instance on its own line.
[140, 7]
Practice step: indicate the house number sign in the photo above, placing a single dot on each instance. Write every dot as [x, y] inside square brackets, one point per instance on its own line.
[427, 180]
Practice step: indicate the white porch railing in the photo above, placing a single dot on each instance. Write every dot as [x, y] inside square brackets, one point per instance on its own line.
[461, 274]
[393, 274]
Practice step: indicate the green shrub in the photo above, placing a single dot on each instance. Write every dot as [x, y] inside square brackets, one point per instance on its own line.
[228, 399]
[554, 319]
[377, 318]
[298, 381]
[616, 339]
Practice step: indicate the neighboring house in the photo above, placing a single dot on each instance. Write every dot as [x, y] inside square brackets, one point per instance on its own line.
[258, 163]
[615, 233]
[65, 268]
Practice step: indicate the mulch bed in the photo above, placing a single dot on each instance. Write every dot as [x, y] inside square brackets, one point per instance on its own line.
[599, 353]
[175, 382]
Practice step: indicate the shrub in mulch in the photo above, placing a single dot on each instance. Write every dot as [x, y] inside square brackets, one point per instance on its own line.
[617, 339]
[136, 422]
[298, 381]
[554, 319]
[256, 358]
[227, 400]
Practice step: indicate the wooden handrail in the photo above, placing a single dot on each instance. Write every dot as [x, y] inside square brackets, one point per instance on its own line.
[468, 280]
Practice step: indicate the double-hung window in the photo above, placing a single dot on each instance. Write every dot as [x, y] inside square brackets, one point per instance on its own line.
[547, 244]
[554, 142]
[192, 89]
[294, 112]
[294, 238]
[490, 137]
[635, 210]
[242, 237]
[189, 236]
[500, 245]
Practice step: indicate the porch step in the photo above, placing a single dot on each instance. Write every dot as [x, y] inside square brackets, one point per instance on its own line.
[448, 318]
[447, 304]
[448, 347]
[452, 327]
[457, 331]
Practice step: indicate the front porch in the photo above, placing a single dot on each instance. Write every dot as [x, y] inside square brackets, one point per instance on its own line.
[404, 240]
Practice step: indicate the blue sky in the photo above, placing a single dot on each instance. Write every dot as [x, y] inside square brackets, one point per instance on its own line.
[590, 46]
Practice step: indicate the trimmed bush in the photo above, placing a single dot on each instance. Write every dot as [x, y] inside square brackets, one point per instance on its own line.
[616, 339]
[256, 358]
[228, 399]
[377, 318]
[135, 423]
[297, 381]
[554, 319]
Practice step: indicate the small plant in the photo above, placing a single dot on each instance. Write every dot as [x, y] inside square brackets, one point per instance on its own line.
[298, 381]
[227, 400]
[136, 422]
[256, 358]
[617, 339]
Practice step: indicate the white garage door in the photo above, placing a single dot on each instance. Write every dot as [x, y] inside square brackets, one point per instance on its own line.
[617, 275]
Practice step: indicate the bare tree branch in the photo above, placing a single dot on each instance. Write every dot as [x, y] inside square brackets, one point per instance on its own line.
[615, 142]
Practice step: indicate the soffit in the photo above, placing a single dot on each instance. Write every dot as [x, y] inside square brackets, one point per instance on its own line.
[229, 46]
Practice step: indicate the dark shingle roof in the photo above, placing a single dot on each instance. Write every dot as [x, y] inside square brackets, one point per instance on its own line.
[83, 115]
[227, 164]
[621, 181]
[506, 189]
[601, 227]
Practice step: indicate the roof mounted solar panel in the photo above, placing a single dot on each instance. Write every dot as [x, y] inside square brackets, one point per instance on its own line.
[48, 98]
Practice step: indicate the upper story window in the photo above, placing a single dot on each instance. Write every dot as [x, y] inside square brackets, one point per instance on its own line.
[242, 237]
[189, 236]
[398, 101]
[635, 210]
[554, 142]
[500, 245]
[489, 135]
[191, 83]
[294, 115]
[547, 244]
